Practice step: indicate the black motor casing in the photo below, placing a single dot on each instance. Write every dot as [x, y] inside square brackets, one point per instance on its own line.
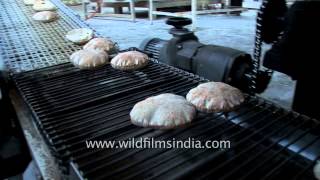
[216, 63]
[222, 64]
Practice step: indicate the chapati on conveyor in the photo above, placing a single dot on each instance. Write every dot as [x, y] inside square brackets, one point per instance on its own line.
[89, 58]
[103, 44]
[72, 2]
[316, 170]
[130, 61]
[43, 5]
[80, 35]
[28, 2]
[45, 16]
[164, 111]
[215, 97]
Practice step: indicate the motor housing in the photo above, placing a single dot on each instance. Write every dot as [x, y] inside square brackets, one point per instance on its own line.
[184, 51]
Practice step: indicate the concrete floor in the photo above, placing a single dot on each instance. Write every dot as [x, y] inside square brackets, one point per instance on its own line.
[233, 31]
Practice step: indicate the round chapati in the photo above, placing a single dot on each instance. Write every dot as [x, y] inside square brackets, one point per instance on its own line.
[45, 16]
[215, 97]
[43, 5]
[316, 170]
[130, 61]
[102, 44]
[89, 58]
[72, 2]
[165, 111]
[29, 2]
[80, 36]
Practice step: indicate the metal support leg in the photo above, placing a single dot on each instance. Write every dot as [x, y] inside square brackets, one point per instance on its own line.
[84, 7]
[132, 11]
[227, 5]
[194, 14]
[150, 11]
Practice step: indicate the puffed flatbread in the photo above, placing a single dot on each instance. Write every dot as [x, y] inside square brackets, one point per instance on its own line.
[130, 61]
[215, 97]
[45, 16]
[89, 59]
[43, 5]
[80, 35]
[71, 2]
[165, 111]
[28, 2]
[316, 170]
[102, 44]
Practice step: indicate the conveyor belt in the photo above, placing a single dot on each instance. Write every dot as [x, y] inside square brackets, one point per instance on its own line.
[71, 106]
[27, 45]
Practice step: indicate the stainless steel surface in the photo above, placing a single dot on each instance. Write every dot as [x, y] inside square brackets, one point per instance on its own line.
[26, 44]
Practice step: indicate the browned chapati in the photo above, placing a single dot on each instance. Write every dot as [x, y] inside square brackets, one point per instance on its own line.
[164, 111]
[215, 97]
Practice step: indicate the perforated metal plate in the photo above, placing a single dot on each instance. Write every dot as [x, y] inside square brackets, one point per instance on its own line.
[26, 44]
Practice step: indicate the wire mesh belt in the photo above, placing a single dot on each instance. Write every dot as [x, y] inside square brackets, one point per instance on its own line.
[71, 106]
[26, 44]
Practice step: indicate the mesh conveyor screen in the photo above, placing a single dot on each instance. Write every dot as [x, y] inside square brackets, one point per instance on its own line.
[27, 45]
[71, 106]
